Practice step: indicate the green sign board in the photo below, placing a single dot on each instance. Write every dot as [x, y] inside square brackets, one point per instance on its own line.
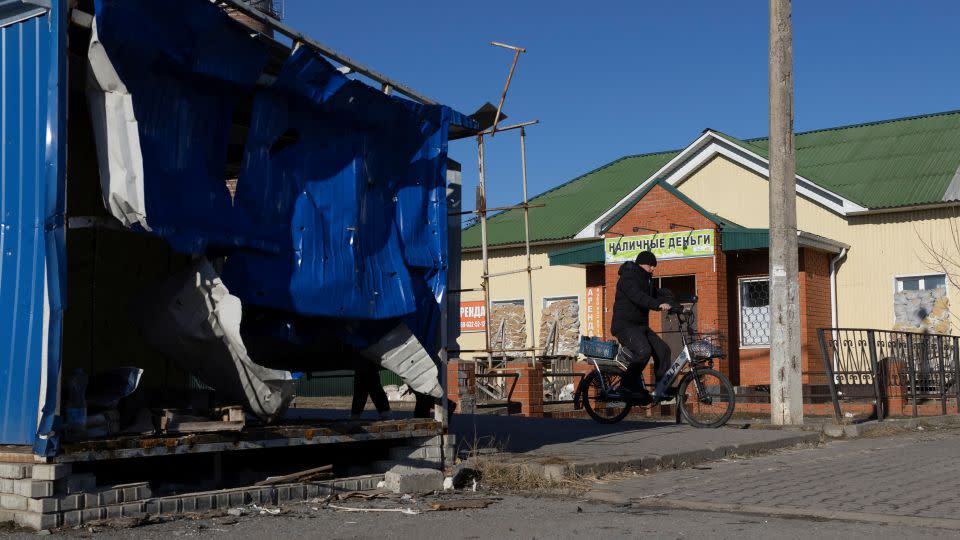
[666, 246]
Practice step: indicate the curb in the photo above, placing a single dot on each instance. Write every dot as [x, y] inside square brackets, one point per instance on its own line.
[873, 426]
[860, 429]
[553, 468]
[680, 460]
[794, 512]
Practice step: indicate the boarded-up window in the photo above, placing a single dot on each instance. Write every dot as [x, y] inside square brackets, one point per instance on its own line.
[920, 303]
[508, 326]
[560, 326]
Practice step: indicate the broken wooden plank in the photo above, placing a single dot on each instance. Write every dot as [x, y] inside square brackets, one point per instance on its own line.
[368, 494]
[464, 504]
[295, 477]
[173, 421]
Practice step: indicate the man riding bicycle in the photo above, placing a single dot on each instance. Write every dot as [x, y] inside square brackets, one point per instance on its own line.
[636, 296]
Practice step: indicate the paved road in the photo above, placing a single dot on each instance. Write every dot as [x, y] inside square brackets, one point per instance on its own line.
[910, 478]
[903, 486]
[512, 517]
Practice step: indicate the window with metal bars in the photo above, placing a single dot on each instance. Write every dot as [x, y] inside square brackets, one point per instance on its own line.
[755, 312]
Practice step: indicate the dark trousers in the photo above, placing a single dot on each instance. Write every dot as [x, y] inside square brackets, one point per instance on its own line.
[366, 382]
[643, 343]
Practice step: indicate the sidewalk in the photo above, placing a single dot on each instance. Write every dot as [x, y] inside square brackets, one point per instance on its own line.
[909, 478]
[566, 447]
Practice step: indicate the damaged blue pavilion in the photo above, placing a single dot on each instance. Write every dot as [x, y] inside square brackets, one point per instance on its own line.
[203, 209]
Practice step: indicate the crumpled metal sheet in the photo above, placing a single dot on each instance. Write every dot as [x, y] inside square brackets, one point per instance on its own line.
[117, 137]
[339, 213]
[400, 352]
[350, 182]
[194, 320]
[185, 64]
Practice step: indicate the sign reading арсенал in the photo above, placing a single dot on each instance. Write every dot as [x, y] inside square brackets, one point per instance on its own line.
[666, 246]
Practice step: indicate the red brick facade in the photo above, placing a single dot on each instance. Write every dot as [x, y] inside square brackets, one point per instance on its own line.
[718, 285]
[657, 211]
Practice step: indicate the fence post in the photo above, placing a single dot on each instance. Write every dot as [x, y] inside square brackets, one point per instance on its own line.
[828, 366]
[956, 369]
[912, 370]
[871, 337]
[943, 377]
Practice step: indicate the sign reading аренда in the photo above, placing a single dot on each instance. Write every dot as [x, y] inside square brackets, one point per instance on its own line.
[666, 246]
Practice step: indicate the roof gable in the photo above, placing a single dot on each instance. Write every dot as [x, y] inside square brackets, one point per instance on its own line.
[636, 198]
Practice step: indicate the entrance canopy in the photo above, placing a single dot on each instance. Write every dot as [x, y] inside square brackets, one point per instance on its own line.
[743, 238]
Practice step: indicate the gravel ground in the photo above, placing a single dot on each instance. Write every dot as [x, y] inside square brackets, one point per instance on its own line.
[509, 517]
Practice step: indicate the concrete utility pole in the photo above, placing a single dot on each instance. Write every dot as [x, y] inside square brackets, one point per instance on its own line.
[786, 391]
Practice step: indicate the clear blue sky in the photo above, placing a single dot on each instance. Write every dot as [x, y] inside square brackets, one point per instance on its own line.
[612, 78]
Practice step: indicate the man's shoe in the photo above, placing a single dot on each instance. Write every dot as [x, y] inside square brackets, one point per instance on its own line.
[640, 397]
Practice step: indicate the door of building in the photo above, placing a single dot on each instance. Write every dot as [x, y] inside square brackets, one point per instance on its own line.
[683, 289]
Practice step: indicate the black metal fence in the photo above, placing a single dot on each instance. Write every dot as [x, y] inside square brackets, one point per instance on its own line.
[888, 367]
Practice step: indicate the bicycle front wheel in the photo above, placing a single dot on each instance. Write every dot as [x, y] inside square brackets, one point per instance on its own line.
[597, 393]
[706, 398]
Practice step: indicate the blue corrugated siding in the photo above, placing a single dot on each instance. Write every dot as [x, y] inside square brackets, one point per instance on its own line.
[25, 210]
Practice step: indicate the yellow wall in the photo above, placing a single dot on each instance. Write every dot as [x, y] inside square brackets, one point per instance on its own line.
[881, 246]
[549, 282]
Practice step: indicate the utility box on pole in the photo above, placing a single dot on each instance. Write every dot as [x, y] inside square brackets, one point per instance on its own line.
[786, 389]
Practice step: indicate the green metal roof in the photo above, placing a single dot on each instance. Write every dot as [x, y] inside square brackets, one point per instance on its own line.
[891, 163]
[571, 206]
[900, 162]
[740, 238]
[588, 253]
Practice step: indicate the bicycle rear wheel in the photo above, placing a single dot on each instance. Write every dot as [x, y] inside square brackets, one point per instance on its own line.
[600, 404]
[706, 398]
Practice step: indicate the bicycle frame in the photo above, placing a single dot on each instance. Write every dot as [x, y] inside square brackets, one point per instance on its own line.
[680, 362]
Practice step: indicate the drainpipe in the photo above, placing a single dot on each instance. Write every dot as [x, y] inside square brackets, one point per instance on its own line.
[833, 283]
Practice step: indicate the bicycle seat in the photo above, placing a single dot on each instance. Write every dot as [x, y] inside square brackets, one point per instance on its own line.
[627, 353]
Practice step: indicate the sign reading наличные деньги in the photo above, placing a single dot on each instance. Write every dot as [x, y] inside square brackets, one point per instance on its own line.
[669, 245]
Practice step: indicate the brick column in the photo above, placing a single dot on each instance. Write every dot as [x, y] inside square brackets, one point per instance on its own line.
[528, 390]
[461, 383]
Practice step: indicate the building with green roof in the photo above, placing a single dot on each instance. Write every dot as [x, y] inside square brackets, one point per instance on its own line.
[878, 206]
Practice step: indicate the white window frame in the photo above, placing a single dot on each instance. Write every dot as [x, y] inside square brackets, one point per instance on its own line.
[545, 299]
[898, 278]
[740, 282]
[896, 288]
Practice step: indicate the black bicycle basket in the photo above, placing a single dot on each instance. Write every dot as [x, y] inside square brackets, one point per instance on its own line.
[707, 346]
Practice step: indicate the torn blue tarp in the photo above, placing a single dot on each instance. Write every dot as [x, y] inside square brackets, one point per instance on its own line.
[351, 183]
[340, 210]
[186, 64]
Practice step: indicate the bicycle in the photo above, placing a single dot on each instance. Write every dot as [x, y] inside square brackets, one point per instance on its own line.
[704, 396]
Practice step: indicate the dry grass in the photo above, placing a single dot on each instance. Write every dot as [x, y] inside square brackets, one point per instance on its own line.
[504, 472]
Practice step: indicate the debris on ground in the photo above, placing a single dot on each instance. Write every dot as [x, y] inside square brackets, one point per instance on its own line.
[316, 473]
[369, 494]
[461, 504]
[254, 509]
[406, 511]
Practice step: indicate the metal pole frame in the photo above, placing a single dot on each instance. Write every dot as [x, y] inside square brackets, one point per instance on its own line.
[911, 369]
[485, 283]
[956, 369]
[506, 87]
[875, 369]
[526, 241]
[943, 377]
[828, 365]
[345, 60]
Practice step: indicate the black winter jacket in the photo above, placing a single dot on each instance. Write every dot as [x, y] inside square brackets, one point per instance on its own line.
[636, 296]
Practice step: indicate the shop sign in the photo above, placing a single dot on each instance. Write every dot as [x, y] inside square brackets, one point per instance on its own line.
[472, 316]
[666, 246]
[594, 326]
